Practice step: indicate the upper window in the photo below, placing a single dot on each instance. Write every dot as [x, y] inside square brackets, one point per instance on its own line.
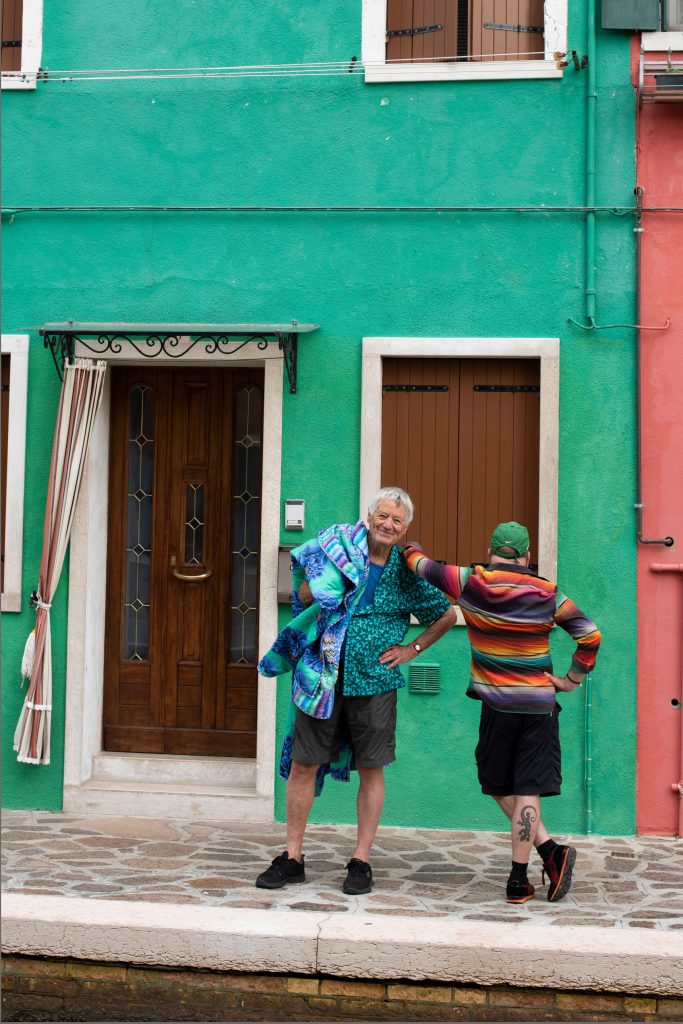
[13, 453]
[409, 40]
[22, 29]
[11, 35]
[464, 30]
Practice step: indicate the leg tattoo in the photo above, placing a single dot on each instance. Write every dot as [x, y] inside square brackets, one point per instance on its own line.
[526, 818]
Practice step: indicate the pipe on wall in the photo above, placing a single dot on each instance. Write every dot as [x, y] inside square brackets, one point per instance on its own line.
[591, 99]
[588, 753]
[638, 231]
[677, 787]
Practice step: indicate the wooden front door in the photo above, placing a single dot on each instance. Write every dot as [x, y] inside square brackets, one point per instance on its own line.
[183, 561]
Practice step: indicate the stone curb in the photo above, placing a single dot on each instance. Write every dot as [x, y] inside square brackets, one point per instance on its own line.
[632, 961]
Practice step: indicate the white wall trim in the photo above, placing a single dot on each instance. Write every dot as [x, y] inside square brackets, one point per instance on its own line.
[16, 345]
[661, 42]
[85, 657]
[31, 48]
[373, 49]
[545, 349]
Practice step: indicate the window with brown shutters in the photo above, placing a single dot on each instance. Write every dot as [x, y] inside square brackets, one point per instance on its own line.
[462, 437]
[421, 31]
[12, 13]
[4, 426]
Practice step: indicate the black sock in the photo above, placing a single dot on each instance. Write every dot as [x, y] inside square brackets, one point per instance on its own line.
[518, 873]
[546, 848]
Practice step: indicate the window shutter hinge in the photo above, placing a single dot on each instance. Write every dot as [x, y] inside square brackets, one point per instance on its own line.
[533, 389]
[414, 387]
[496, 26]
[422, 30]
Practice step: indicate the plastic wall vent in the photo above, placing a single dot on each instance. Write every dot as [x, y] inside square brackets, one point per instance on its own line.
[423, 679]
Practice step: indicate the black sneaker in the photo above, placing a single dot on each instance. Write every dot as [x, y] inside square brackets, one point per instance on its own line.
[519, 892]
[358, 879]
[558, 867]
[284, 870]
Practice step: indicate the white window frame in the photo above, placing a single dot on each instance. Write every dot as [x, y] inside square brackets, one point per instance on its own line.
[662, 42]
[547, 350]
[16, 346]
[373, 49]
[31, 48]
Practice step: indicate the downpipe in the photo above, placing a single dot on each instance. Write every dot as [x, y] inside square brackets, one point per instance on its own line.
[677, 787]
[588, 752]
[639, 506]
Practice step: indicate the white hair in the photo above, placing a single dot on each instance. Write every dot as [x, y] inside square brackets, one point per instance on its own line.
[394, 494]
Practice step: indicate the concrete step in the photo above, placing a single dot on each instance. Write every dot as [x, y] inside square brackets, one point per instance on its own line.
[168, 800]
[233, 772]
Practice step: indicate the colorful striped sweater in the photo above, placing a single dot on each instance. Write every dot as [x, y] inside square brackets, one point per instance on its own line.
[509, 614]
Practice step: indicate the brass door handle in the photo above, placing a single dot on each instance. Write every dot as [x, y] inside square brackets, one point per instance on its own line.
[189, 579]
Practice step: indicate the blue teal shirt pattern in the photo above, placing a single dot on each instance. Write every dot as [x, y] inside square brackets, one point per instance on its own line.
[384, 622]
[374, 576]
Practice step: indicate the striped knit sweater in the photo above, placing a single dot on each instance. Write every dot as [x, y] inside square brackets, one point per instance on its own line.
[509, 614]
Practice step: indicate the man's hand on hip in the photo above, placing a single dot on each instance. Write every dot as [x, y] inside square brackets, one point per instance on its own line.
[399, 654]
[563, 683]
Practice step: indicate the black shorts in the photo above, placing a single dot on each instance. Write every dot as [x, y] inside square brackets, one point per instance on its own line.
[519, 755]
[369, 721]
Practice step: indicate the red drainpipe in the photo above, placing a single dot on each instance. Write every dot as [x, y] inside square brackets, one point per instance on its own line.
[676, 786]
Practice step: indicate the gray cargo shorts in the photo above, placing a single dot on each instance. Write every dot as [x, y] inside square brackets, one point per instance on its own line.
[369, 721]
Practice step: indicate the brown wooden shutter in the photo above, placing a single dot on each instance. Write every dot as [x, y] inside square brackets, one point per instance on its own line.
[410, 14]
[12, 11]
[463, 29]
[4, 426]
[498, 44]
[469, 459]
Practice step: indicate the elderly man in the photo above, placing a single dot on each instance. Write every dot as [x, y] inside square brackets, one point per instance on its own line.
[509, 612]
[379, 595]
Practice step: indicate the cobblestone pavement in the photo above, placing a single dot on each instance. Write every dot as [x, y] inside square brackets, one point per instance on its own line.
[618, 882]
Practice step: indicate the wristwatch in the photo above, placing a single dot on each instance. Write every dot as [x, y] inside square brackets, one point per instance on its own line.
[417, 647]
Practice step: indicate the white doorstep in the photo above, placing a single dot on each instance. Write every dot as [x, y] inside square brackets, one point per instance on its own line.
[233, 772]
[167, 800]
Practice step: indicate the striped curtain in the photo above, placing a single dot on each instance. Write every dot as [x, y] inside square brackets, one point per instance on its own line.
[78, 404]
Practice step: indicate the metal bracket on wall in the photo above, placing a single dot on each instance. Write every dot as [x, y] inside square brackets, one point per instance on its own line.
[174, 341]
[287, 343]
[579, 62]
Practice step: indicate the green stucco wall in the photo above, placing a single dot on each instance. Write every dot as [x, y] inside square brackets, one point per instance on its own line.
[336, 141]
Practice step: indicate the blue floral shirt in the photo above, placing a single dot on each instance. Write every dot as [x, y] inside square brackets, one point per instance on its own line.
[399, 594]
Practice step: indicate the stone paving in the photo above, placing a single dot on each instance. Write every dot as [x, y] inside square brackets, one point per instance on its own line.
[618, 882]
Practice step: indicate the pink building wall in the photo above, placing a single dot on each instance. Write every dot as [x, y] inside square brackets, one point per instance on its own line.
[660, 596]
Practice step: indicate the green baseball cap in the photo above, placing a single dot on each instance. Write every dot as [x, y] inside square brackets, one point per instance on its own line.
[510, 535]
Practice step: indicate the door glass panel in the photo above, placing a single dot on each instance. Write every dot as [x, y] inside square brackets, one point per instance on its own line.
[246, 518]
[194, 524]
[141, 414]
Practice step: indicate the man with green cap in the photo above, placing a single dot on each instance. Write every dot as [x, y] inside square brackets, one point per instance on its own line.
[509, 611]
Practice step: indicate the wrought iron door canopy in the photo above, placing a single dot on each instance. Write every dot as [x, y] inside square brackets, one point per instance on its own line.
[173, 340]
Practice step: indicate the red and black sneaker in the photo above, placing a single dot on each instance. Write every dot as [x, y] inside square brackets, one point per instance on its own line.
[558, 867]
[519, 892]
